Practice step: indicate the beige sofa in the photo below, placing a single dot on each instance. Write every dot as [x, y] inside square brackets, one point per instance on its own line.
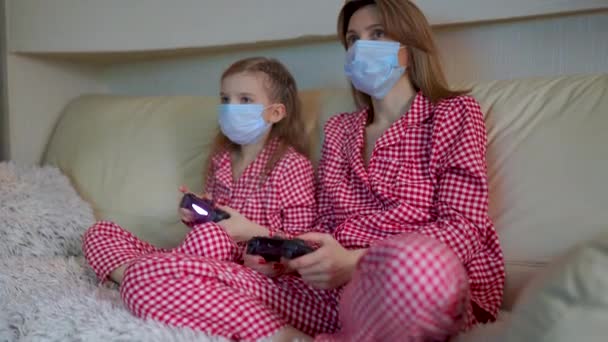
[547, 162]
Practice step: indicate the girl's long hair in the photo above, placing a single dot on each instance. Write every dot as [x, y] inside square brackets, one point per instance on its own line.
[281, 87]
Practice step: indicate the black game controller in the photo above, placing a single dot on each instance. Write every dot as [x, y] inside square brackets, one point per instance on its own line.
[204, 210]
[272, 249]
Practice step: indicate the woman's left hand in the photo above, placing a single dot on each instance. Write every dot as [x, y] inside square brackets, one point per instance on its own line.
[330, 266]
[239, 227]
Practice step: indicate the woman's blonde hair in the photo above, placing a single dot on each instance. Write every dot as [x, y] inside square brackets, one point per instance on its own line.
[281, 87]
[404, 22]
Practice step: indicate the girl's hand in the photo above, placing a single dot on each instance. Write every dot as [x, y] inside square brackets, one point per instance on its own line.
[184, 190]
[330, 266]
[269, 269]
[239, 227]
[186, 215]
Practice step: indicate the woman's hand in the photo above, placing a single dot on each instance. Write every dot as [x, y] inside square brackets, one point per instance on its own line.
[270, 269]
[330, 266]
[239, 227]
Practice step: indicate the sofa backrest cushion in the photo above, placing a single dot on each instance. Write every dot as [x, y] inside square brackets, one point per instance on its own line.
[547, 160]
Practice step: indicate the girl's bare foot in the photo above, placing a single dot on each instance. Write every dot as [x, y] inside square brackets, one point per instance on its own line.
[118, 273]
[291, 334]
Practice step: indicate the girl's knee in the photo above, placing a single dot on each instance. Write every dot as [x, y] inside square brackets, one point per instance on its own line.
[102, 228]
[99, 230]
[139, 277]
[150, 265]
[151, 279]
[161, 267]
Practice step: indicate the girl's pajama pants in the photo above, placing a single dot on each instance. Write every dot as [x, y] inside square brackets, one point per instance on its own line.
[406, 288]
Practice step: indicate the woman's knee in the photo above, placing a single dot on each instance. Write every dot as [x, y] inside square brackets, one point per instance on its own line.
[419, 275]
[415, 257]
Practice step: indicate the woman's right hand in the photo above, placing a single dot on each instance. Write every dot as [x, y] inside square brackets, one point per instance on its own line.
[328, 267]
[269, 269]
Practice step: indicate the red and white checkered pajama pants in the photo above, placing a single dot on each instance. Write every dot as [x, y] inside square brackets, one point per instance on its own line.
[406, 288]
[224, 298]
[107, 246]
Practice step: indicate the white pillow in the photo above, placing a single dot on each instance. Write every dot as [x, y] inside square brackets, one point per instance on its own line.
[568, 301]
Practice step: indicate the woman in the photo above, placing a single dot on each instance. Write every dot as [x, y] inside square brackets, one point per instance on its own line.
[403, 196]
[403, 188]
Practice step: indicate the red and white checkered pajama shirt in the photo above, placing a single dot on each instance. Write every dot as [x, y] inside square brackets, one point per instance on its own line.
[434, 265]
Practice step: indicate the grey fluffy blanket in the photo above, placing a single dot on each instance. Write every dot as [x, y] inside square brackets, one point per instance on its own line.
[47, 293]
[40, 212]
[57, 299]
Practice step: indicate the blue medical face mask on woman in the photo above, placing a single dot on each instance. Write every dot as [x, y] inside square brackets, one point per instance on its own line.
[373, 66]
[243, 124]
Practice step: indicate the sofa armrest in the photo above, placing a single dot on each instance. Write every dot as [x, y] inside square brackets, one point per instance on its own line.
[567, 301]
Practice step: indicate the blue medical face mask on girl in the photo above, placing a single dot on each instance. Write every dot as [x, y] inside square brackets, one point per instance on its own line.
[373, 66]
[243, 124]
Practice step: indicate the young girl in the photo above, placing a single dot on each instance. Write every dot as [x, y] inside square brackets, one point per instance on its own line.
[258, 171]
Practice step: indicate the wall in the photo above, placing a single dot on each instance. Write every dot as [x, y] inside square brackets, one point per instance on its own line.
[132, 25]
[312, 64]
[4, 138]
[72, 30]
[37, 92]
[540, 47]
[48, 26]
